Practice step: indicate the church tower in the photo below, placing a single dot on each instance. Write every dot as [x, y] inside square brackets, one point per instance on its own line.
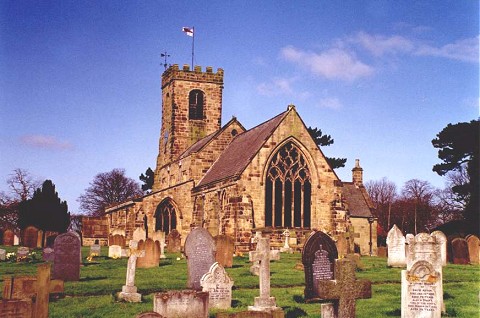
[191, 109]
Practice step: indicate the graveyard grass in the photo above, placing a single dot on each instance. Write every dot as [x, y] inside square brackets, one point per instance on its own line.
[101, 279]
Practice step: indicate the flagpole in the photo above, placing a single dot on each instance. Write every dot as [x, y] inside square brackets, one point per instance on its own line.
[193, 45]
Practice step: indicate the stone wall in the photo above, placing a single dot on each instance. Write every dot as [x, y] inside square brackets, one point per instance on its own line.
[362, 228]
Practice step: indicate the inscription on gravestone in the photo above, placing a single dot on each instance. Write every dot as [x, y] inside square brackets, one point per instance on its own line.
[200, 253]
[321, 267]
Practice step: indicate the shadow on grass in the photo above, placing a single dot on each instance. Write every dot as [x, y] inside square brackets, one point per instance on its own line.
[87, 279]
[447, 296]
[294, 312]
[394, 313]
[236, 303]
[299, 299]
[236, 266]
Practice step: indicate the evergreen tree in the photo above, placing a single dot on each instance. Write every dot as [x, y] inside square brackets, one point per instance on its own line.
[326, 140]
[147, 179]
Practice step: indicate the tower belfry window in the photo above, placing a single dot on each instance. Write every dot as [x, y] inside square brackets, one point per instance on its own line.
[195, 104]
[288, 189]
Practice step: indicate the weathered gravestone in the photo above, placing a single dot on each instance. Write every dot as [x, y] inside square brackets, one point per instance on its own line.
[114, 251]
[151, 257]
[16, 308]
[318, 258]
[48, 254]
[149, 314]
[473, 249]
[174, 242]
[219, 287]
[200, 253]
[225, 249]
[139, 234]
[22, 253]
[342, 245]
[396, 247]
[129, 290]
[8, 237]
[29, 288]
[442, 240]
[345, 289]
[95, 249]
[67, 257]
[3, 254]
[30, 237]
[327, 310]
[460, 251]
[117, 239]
[421, 291]
[252, 314]
[381, 251]
[262, 254]
[160, 237]
[181, 304]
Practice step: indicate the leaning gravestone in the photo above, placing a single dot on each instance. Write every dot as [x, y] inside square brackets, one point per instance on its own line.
[225, 249]
[345, 289]
[8, 237]
[174, 242]
[421, 291]
[442, 240]
[200, 253]
[181, 304]
[396, 247]
[460, 251]
[318, 258]
[219, 287]
[67, 257]
[473, 249]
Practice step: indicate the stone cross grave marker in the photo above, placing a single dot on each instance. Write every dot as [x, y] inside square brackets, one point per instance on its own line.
[200, 253]
[396, 247]
[181, 303]
[442, 240]
[318, 259]
[421, 291]
[264, 302]
[460, 251]
[225, 249]
[345, 289]
[219, 287]
[174, 242]
[129, 290]
[286, 246]
[473, 249]
[67, 257]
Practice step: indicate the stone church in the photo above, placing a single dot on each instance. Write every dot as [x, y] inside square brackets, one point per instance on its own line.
[235, 181]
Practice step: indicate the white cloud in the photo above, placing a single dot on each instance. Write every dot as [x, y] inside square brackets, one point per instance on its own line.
[379, 45]
[334, 63]
[278, 86]
[465, 50]
[45, 142]
[330, 102]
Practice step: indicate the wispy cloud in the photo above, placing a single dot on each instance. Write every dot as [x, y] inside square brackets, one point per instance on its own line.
[45, 142]
[330, 102]
[334, 63]
[277, 86]
[379, 45]
[465, 50]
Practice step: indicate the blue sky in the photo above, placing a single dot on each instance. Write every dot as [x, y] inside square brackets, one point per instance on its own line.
[80, 84]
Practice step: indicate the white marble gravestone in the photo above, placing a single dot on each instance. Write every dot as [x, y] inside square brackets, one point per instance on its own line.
[114, 251]
[396, 247]
[219, 287]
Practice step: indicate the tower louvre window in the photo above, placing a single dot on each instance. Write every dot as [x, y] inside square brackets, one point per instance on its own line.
[288, 189]
[195, 104]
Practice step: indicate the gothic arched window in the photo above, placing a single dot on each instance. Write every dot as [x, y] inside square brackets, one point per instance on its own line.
[165, 216]
[288, 189]
[195, 104]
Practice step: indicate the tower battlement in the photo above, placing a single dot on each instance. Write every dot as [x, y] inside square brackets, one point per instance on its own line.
[196, 75]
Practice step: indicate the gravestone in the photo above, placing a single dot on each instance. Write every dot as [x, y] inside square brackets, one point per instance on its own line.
[381, 251]
[181, 304]
[67, 257]
[442, 240]
[3, 254]
[174, 242]
[318, 259]
[139, 234]
[8, 237]
[117, 239]
[252, 314]
[342, 245]
[460, 251]
[286, 246]
[22, 253]
[16, 240]
[114, 251]
[264, 302]
[327, 310]
[473, 249]
[345, 289]
[16, 308]
[48, 254]
[30, 237]
[422, 294]
[396, 247]
[200, 253]
[160, 237]
[129, 290]
[95, 249]
[151, 256]
[149, 314]
[219, 287]
[225, 248]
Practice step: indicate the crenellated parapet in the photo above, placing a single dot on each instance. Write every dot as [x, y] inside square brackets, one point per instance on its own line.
[196, 75]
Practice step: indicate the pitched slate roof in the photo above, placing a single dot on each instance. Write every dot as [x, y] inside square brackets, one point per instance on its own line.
[236, 157]
[357, 203]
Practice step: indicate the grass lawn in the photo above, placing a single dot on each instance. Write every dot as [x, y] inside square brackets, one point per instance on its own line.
[93, 295]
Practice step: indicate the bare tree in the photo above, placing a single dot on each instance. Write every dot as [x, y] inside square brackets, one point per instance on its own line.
[22, 184]
[106, 189]
[383, 193]
[419, 194]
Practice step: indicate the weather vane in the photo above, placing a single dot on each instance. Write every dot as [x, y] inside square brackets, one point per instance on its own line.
[165, 55]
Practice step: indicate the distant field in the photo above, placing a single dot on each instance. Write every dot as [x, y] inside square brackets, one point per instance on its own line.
[93, 295]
